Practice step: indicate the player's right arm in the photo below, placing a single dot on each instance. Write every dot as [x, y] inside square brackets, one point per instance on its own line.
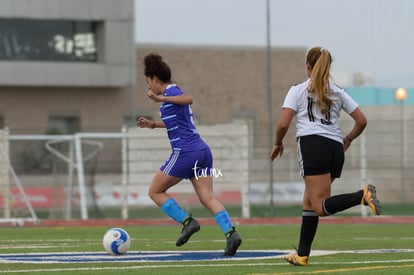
[281, 130]
[144, 122]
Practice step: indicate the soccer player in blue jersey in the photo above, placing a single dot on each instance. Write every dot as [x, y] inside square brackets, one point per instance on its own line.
[189, 155]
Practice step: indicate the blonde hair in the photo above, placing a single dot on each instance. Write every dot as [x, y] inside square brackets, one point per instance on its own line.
[319, 59]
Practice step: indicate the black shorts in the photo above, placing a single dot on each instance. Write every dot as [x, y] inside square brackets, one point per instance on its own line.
[320, 155]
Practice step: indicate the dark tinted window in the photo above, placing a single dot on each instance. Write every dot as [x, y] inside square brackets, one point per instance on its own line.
[63, 125]
[48, 40]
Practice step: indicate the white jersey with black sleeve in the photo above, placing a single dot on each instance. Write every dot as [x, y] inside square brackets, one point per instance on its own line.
[309, 118]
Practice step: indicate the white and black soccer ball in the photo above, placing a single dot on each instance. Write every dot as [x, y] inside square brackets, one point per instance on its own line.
[116, 241]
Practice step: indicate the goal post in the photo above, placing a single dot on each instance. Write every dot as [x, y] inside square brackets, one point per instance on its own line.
[4, 174]
[74, 151]
[7, 169]
[79, 139]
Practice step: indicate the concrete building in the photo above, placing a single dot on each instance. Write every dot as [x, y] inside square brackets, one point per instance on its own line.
[66, 65]
[227, 83]
[72, 66]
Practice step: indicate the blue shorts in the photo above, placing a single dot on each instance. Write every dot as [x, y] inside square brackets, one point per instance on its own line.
[189, 164]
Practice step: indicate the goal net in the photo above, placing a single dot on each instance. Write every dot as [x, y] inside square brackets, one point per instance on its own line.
[229, 143]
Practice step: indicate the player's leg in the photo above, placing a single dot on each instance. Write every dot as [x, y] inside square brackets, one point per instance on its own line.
[170, 173]
[159, 186]
[309, 226]
[203, 187]
[317, 188]
[157, 192]
[341, 202]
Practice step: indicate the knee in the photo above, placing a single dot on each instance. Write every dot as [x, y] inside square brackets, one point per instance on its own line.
[319, 211]
[314, 208]
[317, 208]
[206, 200]
[317, 205]
[152, 193]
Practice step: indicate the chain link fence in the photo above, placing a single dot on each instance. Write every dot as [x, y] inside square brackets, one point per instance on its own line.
[382, 156]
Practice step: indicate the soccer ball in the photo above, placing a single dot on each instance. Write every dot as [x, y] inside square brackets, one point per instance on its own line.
[116, 241]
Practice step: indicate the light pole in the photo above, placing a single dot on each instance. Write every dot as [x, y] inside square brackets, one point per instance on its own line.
[401, 95]
[269, 98]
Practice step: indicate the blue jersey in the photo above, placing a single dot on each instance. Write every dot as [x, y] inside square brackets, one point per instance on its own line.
[179, 122]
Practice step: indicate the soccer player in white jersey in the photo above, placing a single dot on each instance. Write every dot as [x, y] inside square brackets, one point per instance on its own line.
[191, 157]
[316, 103]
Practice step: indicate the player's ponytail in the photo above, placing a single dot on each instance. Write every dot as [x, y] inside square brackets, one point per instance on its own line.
[155, 66]
[319, 59]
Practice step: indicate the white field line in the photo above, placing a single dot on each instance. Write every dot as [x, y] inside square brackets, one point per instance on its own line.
[165, 256]
[181, 266]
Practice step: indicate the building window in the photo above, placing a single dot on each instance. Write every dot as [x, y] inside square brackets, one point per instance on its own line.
[63, 125]
[48, 40]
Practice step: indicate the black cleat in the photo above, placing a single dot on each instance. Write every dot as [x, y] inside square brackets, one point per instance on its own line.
[191, 226]
[233, 242]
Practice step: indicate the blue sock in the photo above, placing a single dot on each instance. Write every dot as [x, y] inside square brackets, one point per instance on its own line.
[172, 209]
[223, 220]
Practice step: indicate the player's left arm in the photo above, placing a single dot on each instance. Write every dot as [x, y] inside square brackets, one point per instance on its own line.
[360, 122]
[183, 99]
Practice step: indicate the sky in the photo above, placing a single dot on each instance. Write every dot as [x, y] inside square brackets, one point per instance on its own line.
[372, 37]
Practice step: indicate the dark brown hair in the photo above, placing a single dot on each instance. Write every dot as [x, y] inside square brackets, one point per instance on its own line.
[319, 59]
[155, 66]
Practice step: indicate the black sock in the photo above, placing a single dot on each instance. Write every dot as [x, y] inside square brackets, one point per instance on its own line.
[307, 232]
[341, 202]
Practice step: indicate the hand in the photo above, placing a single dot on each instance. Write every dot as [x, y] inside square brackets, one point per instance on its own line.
[277, 151]
[154, 96]
[347, 143]
[144, 122]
